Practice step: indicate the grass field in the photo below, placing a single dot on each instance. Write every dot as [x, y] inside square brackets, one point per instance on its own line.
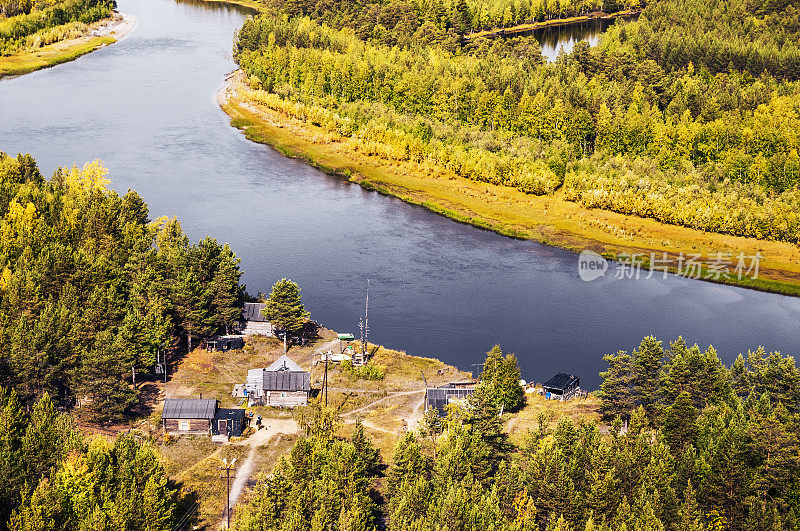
[548, 219]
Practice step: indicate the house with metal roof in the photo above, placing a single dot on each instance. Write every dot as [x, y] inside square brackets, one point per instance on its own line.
[283, 384]
[201, 416]
[561, 386]
[253, 321]
[188, 415]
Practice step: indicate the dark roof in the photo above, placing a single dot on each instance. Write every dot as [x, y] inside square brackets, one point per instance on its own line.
[561, 381]
[252, 312]
[223, 413]
[460, 384]
[189, 408]
[287, 381]
[439, 397]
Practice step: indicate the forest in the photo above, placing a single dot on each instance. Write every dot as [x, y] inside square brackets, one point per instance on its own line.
[51, 477]
[91, 288]
[689, 445]
[30, 24]
[404, 23]
[689, 120]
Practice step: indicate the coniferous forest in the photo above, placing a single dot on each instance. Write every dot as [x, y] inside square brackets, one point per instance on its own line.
[91, 288]
[687, 115]
[689, 445]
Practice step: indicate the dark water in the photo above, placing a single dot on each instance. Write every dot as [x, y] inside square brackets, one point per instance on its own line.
[146, 107]
[553, 40]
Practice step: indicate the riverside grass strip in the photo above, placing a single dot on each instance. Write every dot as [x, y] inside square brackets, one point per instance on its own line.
[50, 55]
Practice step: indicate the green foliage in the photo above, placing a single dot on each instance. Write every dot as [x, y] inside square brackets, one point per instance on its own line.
[33, 23]
[369, 371]
[500, 379]
[119, 486]
[630, 126]
[53, 479]
[90, 288]
[654, 378]
[284, 310]
[324, 483]
[317, 420]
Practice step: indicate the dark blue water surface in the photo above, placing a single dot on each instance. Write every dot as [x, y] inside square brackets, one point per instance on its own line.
[146, 107]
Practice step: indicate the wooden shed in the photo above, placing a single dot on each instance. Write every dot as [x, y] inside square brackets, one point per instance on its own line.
[230, 422]
[183, 416]
[253, 321]
[225, 343]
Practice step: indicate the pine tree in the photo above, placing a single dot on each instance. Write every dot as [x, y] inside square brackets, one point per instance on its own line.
[104, 375]
[680, 423]
[368, 458]
[192, 305]
[500, 378]
[284, 310]
[646, 368]
[226, 292]
[12, 459]
[616, 390]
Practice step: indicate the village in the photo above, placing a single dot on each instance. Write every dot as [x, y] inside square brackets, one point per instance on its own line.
[224, 413]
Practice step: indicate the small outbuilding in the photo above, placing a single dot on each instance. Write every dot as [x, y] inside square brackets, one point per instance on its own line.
[561, 386]
[185, 416]
[439, 397]
[253, 321]
[225, 343]
[230, 422]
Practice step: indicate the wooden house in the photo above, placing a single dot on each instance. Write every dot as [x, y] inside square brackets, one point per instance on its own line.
[183, 416]
[561, 386]
[282, 384]
[253, 321]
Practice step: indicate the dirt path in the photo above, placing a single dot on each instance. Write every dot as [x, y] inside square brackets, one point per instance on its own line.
[390, 395]
[271, 428]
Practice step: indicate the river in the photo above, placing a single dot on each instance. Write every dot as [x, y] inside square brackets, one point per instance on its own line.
[146, 107]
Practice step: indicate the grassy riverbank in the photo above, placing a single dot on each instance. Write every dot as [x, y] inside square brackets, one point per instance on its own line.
[98, 35]
[508, 211]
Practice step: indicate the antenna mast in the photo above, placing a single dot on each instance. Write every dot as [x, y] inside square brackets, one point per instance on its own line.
[364, 326]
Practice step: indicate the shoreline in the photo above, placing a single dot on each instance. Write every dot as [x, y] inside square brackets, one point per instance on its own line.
[546, 219]
[98, 35]
[553, 23]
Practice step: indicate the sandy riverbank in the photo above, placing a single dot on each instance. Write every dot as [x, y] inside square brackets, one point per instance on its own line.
[97, 35]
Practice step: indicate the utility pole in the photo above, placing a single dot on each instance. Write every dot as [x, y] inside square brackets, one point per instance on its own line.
[165, 375]
[227, 469]
[365, 328]
[327, 356]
